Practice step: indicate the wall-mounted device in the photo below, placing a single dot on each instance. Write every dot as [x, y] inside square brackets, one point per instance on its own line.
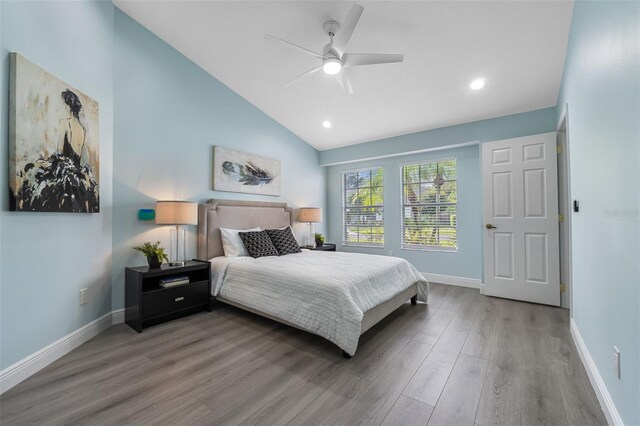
[616, 363]
[146, 214]
[576, 206]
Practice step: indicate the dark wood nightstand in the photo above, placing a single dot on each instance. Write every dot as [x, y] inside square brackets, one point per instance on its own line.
[148, 303]
[325, 247]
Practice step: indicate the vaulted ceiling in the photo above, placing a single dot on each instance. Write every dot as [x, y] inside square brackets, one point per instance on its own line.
[517, 46]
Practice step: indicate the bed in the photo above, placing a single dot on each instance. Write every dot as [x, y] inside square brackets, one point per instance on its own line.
[316, 291]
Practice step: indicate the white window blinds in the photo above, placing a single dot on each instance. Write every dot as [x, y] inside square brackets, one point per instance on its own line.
[363, 207]
[429, 205]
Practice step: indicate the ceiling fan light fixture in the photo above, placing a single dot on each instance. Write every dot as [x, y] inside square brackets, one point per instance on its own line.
[334, 54]
[478, 83]
[332, 66]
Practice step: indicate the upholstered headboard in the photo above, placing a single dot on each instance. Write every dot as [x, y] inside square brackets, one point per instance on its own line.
[216, 214]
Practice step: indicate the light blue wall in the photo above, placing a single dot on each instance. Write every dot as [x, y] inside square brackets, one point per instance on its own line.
[602, 87]
[46, 258]
[467, 262]
[509, 126]
[168, 115]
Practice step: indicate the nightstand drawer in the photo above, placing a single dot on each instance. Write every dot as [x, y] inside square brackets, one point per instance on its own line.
[174, 299]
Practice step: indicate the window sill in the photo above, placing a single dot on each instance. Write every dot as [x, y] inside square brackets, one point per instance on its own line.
[362, 245]
[431, 249]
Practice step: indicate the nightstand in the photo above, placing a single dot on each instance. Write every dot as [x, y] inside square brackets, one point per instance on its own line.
[325, 247]
[148, 303]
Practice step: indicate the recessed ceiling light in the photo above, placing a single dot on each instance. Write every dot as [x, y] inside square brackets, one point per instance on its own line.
[478, 83]
[326, 124]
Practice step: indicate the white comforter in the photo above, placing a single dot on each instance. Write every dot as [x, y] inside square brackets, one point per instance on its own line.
[325, 293]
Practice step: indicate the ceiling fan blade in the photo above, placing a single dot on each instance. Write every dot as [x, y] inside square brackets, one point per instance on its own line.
[293, 46]
[344, 82]
[302, 75]
[359, 59]
[347, 28]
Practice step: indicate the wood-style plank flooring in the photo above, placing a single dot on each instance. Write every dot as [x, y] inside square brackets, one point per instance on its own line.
[462, 359]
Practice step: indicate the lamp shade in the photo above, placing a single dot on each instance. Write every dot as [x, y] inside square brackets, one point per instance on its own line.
[310, 214]
[176, 213]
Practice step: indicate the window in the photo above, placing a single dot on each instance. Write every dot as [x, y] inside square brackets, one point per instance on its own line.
[429, 205]
[363, 208]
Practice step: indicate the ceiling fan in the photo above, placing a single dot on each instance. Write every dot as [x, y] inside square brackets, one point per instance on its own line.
[333, 56]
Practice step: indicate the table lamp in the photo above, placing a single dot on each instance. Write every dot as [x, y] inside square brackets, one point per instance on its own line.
[177, 213]
[311, 215]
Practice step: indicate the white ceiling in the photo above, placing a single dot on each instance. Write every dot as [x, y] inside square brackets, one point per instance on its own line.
[518, 46]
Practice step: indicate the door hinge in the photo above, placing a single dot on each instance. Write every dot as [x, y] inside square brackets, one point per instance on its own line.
[559, 149]
[560, 218]
[563, 288]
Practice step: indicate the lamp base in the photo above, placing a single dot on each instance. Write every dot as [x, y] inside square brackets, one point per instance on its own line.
[178, 251]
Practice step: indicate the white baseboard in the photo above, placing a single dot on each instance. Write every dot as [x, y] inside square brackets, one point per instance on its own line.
[451, 280]
[609, 408]
[117, 316]
[25, 368]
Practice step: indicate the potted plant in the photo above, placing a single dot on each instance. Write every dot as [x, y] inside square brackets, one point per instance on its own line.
[319, 239]
[154, 253]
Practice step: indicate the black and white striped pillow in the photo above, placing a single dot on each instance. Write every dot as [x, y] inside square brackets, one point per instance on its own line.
[284, 241]
[258, 244]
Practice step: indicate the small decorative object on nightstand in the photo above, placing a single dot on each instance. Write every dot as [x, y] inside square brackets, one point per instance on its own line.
[325, 247]
[153, 295]
[153, 252]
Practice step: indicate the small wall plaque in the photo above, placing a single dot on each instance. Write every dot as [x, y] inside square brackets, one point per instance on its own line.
[146, 214]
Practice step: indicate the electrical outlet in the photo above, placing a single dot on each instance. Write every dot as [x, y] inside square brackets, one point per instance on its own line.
[83, 296]
[390, 252]
[616, 362]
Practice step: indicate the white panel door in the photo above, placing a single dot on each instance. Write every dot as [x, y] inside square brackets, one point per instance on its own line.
[520, 194]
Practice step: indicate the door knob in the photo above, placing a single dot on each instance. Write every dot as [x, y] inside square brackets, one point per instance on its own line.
[490, 226]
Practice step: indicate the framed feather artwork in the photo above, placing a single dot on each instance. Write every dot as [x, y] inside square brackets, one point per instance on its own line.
[54, 163]
[237, 171]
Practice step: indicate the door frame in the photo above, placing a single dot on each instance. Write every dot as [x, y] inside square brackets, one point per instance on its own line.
[564, 165]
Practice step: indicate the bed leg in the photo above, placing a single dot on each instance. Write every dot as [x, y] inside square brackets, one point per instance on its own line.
[346, 355]
[414, 300]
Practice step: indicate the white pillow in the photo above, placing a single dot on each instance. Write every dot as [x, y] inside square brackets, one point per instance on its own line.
[232, 243]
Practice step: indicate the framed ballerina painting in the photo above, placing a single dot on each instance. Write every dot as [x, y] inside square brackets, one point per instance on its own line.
[54, 161]
[237, 171]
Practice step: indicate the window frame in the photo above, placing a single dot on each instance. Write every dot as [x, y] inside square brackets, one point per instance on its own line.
[430, 248]
[343, 207]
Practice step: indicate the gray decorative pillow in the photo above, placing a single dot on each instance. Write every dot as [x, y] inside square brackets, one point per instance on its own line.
[284, 241]
[258, 244]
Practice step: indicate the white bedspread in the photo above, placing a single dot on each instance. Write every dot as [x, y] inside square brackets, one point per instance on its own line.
[325, 293]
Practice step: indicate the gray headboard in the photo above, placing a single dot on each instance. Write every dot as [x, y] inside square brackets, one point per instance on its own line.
[216, 214]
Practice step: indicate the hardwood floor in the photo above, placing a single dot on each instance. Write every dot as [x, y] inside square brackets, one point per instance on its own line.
[463, 359]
